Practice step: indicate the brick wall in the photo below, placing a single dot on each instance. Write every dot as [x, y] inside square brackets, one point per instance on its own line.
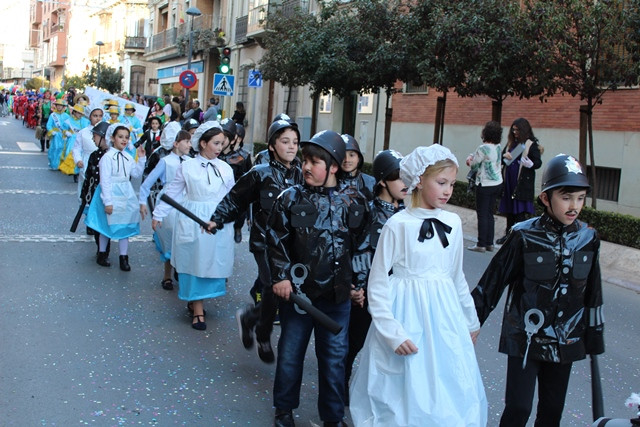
[618, 112]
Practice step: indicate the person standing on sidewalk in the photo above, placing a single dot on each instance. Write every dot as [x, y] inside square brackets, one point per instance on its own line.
[521, 157]
[485, 161]
[553, 315]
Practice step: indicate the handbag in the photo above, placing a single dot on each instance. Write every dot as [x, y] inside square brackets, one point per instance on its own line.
[38, 132]
[471, 178]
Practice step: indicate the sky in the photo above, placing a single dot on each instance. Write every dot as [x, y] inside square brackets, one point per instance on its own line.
[14, 35]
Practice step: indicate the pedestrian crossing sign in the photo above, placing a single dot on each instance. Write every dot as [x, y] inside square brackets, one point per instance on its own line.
[223, 84]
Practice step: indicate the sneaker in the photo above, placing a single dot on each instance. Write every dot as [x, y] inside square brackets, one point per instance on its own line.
[476, 248]
[265, 352]
[246, 333]
[489, 248]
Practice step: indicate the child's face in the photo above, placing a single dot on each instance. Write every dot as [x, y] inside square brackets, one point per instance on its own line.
[59, 108]
[128, 112]
[120, 139]
[192, 131]
[350, 162]
[114, 116]
[286, 146]
[227, 142]
[396, 189]
[96, 117]
[182, 146]
[437, 188]
[210, 150]
[99, 141]
[155, 125]
[314, 170]
[564, 206]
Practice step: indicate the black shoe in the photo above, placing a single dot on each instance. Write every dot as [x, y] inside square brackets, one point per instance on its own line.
[75, 178]
[103, 259]
[501, 240]
[265, 352]
[238, 235]
[90, 231]
[283, 418]
[246, 332]
[200, 326]
[124, 263]
[167, 284]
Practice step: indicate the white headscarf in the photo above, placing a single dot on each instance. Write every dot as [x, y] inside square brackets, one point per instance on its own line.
[168, 136]
[413, 166]
[112, 127]
[201, 130]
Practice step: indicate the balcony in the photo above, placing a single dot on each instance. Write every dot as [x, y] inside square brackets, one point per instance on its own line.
[257, 18]
[162, 40]
[135, 42]
[164, 44]
[241, 30]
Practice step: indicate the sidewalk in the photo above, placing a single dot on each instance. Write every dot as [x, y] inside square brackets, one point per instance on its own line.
[620, 265]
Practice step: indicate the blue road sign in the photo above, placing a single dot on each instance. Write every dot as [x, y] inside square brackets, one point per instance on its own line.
[223, 84]
[255, 78]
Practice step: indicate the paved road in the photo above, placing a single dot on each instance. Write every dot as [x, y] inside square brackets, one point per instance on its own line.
[85, 345]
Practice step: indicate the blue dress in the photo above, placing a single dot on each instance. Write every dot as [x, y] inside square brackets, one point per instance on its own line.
[56, 127]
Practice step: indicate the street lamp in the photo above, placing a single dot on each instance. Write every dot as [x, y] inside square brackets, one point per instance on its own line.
[192, 12]
[99, 44]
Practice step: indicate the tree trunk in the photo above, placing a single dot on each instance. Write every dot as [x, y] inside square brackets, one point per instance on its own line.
[582, 137]
[349, 114]
[314, 112]
[288, 101]
[496, 111]
[594, 183]
[388, 114]
[438, 130]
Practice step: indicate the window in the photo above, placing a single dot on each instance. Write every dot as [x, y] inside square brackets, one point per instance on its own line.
[325, 103]
[365, 103]
[608, 183]
[412, 88]
[137, 80]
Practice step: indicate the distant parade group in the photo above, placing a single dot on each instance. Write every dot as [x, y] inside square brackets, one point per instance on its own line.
[388, 277]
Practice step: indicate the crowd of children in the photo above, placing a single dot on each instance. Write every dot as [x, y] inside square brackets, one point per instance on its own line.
[390, 276]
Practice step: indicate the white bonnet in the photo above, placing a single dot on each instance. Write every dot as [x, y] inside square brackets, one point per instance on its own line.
[168, 136]
[112, 127]
[413, 166]
[201, 130]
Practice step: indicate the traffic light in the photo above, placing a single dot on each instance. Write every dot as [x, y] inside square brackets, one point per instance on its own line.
[225, 60]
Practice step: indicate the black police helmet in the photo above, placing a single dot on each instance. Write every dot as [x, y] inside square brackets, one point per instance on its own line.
[282, 116]
[240, 131]
[330, 141]
[279, 125]
[190, 124]
[564, 171]
[101, 129]
[352, 145]
[385, 163]
[229, 128]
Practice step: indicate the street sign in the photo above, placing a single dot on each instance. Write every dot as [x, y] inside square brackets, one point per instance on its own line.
[255, 78]
[188, 79]
[223, 84]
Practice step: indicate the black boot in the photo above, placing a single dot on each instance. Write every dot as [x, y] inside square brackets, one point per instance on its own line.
[124, 263]
[103, 259]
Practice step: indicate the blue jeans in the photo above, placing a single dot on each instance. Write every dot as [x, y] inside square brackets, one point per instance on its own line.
[331, 351]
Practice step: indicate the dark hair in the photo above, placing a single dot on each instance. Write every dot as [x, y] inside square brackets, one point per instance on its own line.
[155, 118]
[240, 106]
[562, 189]
[492, 133]
[208, 135]
[120, 127]
[313, 150]
[525, 132]
[392, 176]
[183, 134]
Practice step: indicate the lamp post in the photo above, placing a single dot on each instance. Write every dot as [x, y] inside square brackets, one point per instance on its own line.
[192, 12]
[64, 64]
[99, 44]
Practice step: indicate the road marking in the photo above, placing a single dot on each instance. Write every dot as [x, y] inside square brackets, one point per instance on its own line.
[68, 238]
[25, 167]
[28, 146]
[10, 191]
[23, 153]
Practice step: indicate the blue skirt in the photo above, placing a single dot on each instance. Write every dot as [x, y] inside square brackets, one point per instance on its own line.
[192, 288]
[97, 219]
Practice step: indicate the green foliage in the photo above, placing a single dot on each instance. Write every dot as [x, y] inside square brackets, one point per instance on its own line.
[36, 83]
[202, 40]
[74, 81]
[258, 147]
[110, 78]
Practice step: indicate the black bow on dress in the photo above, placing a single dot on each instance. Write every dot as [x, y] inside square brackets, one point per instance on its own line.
[215, 170]
[426, 230]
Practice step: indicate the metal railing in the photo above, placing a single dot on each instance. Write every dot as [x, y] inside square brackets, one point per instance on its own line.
[241, 29]
[135, 42]
[162, 40]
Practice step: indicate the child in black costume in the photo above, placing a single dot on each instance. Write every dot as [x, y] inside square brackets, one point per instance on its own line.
[390, 192]
[313, 229]
[259, 188]
[550, 265]
[351, 169]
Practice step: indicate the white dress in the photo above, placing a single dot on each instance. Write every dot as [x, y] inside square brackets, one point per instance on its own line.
[205, 258]
[425, 299]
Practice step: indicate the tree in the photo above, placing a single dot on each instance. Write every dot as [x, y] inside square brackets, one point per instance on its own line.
[589, 58]
[110, 78]
[75, 81]
[36, 83]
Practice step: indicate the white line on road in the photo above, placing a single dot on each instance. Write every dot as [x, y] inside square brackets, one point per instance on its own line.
[23, 153]
[13, 191]
[28, 146]
[56, 238]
